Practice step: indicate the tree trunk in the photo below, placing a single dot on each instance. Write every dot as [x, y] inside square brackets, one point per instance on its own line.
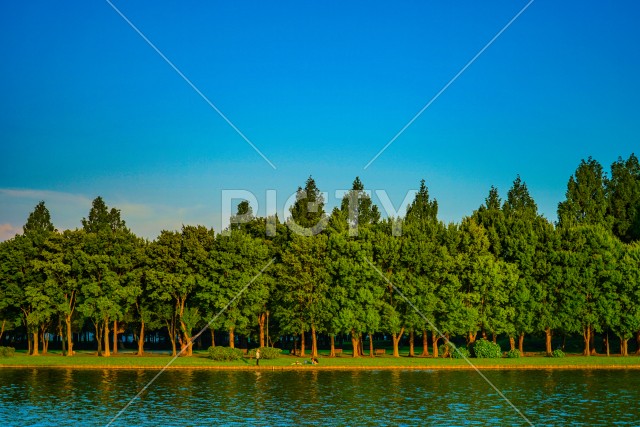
[586, 334]
[67, 322]
[41, 338]
[361, 345]
[371, 352]
[106, 351]
[447, 347]
[261, 319]
[494, 338]
[171, 329]
[34, 338]
[45, 341]
[396, 341]
[98, 327]
[302, 344]
[115, 337]
[63, 342]
[520, 343]
[2, 329]
[471, 337]
[411, 344]
[186, 342]
[314, 342]
[434, 343]
[213, 337]
[232, 338]
[355, 342]
[606, 342]
[593, 342]
[638, 342]
[548, 334]
[512, 343]
[141, 339]
[623, 347]
[425, 344]
[332, 340]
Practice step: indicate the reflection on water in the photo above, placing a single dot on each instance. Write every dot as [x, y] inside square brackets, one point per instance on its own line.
[92, 397]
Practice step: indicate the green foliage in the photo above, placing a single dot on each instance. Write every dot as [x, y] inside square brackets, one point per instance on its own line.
[452, 351]
[266, 352]
[505, 270]
[459, 352]
[513, 354]
[444, 350]
[422, 209]
[585, 202]
[7, 351]
[225, 354]
[623, 196]
[39, 221]
[307, 213]
[358, 207]
[484, 349]
[557, 353]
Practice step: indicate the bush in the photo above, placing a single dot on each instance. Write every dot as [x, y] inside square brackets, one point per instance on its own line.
[449, 350]
[7, 351]
[458, 352]
[266, 352]
[557, 353]
[484, 349]
[513, 354]
[225, 354]
[442, 348]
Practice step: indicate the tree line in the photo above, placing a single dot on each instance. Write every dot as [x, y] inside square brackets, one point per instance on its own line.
[504, 270]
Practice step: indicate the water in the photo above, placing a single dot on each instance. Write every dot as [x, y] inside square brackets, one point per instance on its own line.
[385, 398]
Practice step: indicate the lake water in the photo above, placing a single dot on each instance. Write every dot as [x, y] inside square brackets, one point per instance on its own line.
[386, 398]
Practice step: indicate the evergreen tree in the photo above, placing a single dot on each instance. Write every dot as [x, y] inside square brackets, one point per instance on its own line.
[623, 196]
[422, 209]
[39, 222]
[307, 213]
[358, 208]
[585, 202]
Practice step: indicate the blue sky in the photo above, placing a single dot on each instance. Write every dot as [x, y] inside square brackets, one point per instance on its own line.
[88, 108]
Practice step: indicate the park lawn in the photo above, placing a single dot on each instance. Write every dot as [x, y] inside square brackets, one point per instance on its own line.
[199, 360]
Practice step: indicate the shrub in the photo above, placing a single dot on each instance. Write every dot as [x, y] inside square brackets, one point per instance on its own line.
[7, 351]
[225, 354]
[442, 349]
[484, 349]
[449, 350]
[266, 352]
[513, 354]
[557, 353]
[458, 352]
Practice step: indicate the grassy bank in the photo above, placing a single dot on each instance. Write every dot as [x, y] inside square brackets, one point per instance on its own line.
[201, 361]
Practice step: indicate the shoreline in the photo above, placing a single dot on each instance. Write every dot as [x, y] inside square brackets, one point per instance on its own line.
[272, 368]
[201, 362]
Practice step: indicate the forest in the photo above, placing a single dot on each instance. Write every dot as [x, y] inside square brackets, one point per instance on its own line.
[318, 278]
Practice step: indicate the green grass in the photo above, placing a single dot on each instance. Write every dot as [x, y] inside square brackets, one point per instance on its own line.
[200, 361]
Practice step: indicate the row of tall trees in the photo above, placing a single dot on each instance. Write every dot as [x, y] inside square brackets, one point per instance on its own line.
[505, 271]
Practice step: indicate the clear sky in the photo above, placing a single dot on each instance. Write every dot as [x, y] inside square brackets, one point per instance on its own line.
[88, 108]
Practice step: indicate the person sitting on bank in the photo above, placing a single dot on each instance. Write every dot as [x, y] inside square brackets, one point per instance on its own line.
[314, 360]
